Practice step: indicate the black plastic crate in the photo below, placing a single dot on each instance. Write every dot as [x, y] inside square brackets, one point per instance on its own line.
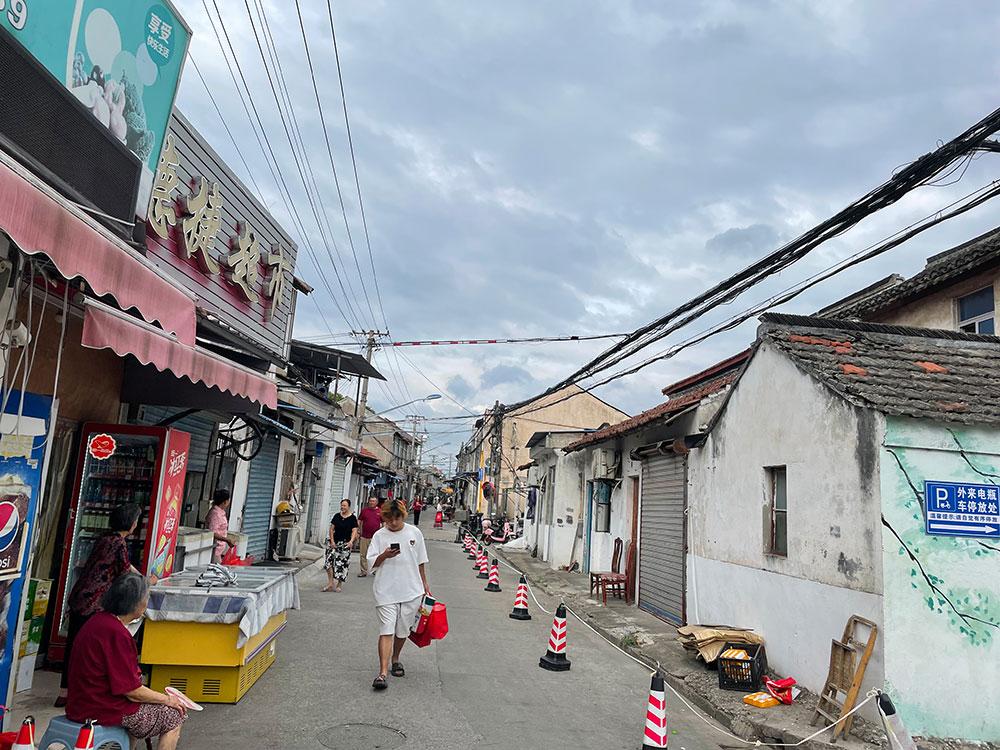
[745, 675]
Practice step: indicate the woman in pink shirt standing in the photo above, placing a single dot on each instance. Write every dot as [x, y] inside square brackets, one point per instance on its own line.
[218, 523]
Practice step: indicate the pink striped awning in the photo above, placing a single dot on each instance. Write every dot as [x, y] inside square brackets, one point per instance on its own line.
[107, 328]
[39, 220]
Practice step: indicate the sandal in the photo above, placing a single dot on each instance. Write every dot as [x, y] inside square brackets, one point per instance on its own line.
[380, 683]
[397, 670]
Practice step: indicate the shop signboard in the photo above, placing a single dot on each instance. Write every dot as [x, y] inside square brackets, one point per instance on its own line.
[23, 448]
[208, 231]
[962, 509]
[121, 58]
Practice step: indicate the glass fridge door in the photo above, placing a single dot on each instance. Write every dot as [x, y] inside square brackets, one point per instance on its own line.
[127, 476]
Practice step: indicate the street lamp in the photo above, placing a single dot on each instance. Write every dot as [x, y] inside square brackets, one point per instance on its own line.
[432, 397]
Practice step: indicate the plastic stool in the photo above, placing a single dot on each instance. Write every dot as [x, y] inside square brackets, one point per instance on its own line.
[62, 731]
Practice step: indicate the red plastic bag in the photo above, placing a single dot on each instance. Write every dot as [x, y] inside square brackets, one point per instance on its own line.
[431, 627]
[437, 623]
[231, 558]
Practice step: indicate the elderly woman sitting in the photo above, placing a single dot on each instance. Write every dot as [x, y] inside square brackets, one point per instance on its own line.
[104, 679]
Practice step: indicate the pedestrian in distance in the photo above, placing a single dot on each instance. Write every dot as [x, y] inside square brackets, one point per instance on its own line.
[339, 543]
[398, 556]
[371, 521]
[418, 506]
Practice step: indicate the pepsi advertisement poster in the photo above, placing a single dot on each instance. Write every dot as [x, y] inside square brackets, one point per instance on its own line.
[24, 430]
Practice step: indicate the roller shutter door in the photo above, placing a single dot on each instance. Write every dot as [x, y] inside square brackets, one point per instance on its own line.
[662, 537]
[260, 496]
[337, 483]
[199, 425]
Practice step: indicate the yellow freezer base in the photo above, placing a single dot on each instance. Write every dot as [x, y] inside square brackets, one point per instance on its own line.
[214, 684]
[203, 644]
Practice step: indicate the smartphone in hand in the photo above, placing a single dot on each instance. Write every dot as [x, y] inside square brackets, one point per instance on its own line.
[395, 546]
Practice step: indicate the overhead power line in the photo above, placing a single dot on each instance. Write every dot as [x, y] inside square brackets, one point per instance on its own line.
[919, 172]
[956, 208]
[462, 342]
[354, 162]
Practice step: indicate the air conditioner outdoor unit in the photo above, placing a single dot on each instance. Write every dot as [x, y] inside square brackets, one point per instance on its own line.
[605, 464]
[289, 542]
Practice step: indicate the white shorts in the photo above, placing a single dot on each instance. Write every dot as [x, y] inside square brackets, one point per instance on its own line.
[398, 619]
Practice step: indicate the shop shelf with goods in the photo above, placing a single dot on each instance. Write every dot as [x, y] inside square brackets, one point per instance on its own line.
[121, 464]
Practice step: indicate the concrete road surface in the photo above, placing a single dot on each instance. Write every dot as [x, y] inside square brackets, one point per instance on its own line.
[480, 687]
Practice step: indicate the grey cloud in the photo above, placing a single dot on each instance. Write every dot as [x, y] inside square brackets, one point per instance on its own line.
[741, 242]
[497, 144]
[460, 388]
[505, 374]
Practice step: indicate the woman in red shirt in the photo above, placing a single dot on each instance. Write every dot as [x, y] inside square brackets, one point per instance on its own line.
[107, 561]
[105, 683]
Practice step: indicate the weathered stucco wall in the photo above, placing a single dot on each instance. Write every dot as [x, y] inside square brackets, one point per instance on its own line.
[602, 543]
[555, 530]
[942, 594]
[939, 310]
[778, 415]
[583, 411]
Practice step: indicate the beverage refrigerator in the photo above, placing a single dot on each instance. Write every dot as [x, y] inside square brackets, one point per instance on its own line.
[119, 464]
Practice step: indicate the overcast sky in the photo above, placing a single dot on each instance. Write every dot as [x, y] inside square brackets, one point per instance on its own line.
[550, 168]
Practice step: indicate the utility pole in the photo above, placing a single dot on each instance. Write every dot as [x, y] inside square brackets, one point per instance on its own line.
[361, 405]
[496, 455]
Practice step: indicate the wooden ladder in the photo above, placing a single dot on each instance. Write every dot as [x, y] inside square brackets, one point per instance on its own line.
[848, 661]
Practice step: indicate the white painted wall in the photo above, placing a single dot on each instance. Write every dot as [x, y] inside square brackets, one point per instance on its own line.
[798, 617]
[241, 480]
[602, 544]
[778, 415]
[555, 539]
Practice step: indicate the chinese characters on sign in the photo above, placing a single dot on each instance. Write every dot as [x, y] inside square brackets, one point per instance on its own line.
[201, 223]
[243, 261]
[278, 269]
[195, 221]
[162, 211]
[962, 509]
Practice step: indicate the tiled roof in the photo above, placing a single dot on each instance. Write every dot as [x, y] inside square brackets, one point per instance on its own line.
[947, 268]
[677, 403]
[947, 376]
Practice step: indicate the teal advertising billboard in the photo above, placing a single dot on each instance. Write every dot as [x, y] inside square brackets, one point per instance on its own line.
[121, 58]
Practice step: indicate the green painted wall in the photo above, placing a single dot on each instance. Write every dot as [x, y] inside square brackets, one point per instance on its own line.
[942, 594]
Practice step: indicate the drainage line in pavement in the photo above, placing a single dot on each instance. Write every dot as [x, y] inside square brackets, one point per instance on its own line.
[872, 694]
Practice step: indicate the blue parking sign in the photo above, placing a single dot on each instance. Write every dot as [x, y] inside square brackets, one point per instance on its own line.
[962, 509]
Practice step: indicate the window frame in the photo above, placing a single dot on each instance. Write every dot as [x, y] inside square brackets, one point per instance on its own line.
[975, 320]
[602, 508]
[772, 473]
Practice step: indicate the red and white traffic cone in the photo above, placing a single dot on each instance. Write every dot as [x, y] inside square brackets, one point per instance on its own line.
[555, 658]
[656, 715]
[520, 611]
[470, 547]
[484, 566]
[85, 739]
[480, 556]
[494, 584]
[25, 735]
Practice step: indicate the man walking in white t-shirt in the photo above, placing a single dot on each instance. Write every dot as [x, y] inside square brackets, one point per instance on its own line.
[397, 555]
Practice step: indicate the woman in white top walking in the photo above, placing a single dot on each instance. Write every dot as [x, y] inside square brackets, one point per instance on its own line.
[397, 554]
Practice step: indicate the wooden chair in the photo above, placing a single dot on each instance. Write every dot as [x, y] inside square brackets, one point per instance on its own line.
[616, 583]
[616, 559]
